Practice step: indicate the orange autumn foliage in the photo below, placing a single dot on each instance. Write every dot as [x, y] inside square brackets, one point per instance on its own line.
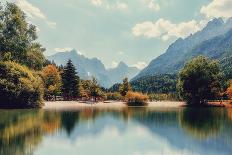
[229, 90]
[52, 80]
[136, 99]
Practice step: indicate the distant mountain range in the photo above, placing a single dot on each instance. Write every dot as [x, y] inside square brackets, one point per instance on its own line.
[87, 68]
[214, 41]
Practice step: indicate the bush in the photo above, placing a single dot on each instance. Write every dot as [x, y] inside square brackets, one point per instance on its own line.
[136, 99]
[114, 96]
[19, 87]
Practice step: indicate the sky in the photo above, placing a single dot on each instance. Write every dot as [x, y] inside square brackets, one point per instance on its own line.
[133, 31]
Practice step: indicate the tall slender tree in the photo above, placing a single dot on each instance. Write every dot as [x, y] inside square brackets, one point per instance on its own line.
[125, 87]
[70, 82]
[95, 89]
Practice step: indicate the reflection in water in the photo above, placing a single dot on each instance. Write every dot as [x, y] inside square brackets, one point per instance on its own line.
[144, 130]
[201, 123]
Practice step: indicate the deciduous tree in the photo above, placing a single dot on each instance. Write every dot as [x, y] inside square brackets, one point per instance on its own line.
[18, 38]
[229, 90]
[52, 80]
[199, 80]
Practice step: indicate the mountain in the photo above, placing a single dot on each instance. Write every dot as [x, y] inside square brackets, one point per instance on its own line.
[122, 71]
[87, 68]
[213, 41]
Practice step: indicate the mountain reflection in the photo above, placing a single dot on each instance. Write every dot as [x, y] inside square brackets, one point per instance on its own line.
[22, 131]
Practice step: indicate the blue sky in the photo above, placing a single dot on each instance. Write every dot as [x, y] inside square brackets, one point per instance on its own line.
[133, 31]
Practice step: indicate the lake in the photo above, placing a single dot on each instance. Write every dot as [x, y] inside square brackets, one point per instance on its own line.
[123, 131]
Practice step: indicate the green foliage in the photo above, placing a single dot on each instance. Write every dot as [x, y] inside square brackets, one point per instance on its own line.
[95, 90]
[114, 88]
[124, 87]
[114, 96]
[70, 82]
[165, 83]
[19, 87]
[199, 80]
[136, 99]
[17, 37]
[164, 97]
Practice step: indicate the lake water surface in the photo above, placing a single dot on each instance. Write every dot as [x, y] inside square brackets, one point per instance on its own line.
[128, 131]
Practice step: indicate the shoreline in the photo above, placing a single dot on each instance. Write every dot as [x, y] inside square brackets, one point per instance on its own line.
[57, 105]
[69, 105]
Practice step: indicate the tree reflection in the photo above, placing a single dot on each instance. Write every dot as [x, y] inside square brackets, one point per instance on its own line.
[68, 121]
[21, 131]
[201, 123]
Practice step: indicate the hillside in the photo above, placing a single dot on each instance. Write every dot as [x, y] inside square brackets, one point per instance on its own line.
[213, 41]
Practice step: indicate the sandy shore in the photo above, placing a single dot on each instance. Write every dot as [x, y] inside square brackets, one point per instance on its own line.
[108, 104]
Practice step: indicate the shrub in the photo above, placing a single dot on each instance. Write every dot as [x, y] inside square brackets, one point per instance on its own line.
[19, 87]
[114, 96]
[136, 99]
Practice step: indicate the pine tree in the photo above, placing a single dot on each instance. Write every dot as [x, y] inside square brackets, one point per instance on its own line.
[70, 82]
[125, 87]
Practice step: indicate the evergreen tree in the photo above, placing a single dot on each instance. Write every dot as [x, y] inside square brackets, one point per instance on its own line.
[70, 82]
[125, 87]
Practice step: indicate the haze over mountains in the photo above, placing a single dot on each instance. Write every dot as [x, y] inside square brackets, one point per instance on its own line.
[214, 41]
[87, 68]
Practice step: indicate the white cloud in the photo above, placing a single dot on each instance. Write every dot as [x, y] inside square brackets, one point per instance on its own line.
[120, 52]
[165, 29]
[114, 64]
[153, 5]
[121, 6]
[218, 8]
[33, 12]
[110, 6]
[30, 10]
[140, 65]
[51, 24]
[66, 49]
[96, 2]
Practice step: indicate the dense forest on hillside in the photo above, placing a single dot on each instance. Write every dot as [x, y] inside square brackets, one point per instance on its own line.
[165, 83]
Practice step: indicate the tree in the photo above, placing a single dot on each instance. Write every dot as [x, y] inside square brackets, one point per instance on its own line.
[19, 87]
[229, 90]
[124, 87]
[18, 38]
[95, 90]
[199, 80]
[70, 82]
[52, 80]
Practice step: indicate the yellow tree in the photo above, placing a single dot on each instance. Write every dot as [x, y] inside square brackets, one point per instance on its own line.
[52, 80]
[229, 90]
